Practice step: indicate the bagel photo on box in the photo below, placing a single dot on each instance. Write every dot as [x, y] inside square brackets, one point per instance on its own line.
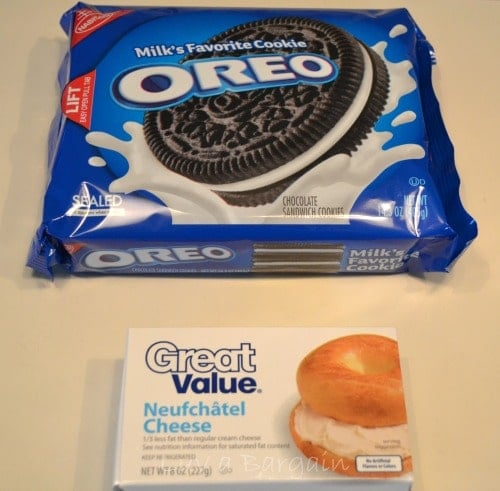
[351, 417]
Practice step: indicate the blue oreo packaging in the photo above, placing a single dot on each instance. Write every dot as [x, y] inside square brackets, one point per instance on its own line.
[194, 140]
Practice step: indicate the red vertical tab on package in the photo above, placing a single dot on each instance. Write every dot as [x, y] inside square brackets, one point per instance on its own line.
[88, 21]
[78, 98]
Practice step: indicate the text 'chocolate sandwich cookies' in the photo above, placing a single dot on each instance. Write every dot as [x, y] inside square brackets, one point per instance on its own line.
[198, 140]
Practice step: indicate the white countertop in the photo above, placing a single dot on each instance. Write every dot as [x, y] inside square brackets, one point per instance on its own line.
[63, 341]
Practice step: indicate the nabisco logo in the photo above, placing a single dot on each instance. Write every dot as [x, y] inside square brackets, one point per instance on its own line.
[88, 20]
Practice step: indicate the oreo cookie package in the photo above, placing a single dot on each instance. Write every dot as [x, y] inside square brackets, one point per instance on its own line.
[193, 140]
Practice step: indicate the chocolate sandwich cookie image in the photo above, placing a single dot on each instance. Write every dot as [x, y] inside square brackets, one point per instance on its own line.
[351, 417]
[248, 146]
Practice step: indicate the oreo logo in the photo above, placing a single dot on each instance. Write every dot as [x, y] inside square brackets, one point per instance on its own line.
[150, 256]
[165, 85]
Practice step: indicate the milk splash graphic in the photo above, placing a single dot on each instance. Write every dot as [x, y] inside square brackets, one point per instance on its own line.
[337, 181]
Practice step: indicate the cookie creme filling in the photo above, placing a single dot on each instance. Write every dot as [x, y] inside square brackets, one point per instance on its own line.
[348, 440]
